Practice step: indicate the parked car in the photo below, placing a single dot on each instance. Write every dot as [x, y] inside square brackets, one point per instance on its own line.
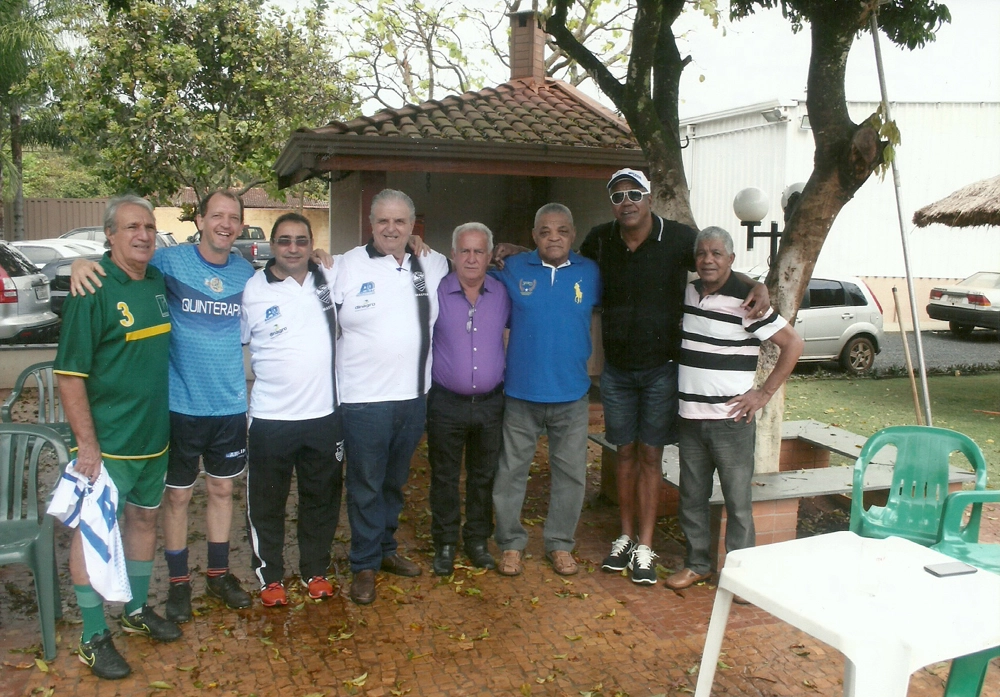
[41, 252]
[163, 239]
[252, 244]
[25, 312]
[974, 302]
[58, 274]
[840, 320]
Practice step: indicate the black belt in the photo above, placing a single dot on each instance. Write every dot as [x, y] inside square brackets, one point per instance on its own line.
[473, 398]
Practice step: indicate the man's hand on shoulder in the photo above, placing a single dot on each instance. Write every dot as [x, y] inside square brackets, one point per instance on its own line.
[84, 275]
[502, 250]
[758, 302]
[322, 257]
[417, 246]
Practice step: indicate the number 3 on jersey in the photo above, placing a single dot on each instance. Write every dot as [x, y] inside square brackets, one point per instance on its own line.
[127, 319]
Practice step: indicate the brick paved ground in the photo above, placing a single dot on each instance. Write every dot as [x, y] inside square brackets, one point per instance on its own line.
[476, 634]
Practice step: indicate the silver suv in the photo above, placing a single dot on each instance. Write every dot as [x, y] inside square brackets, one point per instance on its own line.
[25, 315]
[840, 319]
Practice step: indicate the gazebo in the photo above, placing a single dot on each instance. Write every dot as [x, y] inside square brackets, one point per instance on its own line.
[972, 205]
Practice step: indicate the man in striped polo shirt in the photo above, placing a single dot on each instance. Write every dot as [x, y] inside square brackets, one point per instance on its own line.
[718, 400]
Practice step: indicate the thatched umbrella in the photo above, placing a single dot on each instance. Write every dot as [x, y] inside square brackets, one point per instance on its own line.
[975, 204]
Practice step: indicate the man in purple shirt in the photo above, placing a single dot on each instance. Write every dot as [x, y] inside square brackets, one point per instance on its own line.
[465, 402]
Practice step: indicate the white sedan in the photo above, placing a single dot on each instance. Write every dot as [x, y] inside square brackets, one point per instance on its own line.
[974, 302]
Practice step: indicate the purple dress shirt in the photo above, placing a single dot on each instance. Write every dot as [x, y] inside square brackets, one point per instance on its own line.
[468, 341]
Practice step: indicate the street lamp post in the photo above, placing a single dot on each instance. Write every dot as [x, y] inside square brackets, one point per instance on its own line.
[750, 206]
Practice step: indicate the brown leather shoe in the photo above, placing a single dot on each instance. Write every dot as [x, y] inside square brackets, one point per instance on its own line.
[401, 566]
[563, 562]
[363, 587]
[685, 578]
[510, 563]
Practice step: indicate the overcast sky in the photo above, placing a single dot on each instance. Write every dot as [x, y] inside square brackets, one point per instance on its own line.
[759, 59]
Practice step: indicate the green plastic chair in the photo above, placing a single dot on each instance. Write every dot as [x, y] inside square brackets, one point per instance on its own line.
[26, 532]
[50, 411]
[968, 673]
[919, 482]
[962, 541]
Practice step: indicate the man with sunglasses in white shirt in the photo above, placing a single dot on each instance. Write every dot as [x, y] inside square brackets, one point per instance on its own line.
[644, 262]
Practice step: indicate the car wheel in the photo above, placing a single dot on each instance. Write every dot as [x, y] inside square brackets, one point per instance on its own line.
[961, 330]
[858, 355]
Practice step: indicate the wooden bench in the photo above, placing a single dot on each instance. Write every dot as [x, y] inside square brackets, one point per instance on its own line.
[804, 473]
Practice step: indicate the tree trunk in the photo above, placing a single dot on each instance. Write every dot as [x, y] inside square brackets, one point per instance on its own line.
[846, 154]
[17, 158]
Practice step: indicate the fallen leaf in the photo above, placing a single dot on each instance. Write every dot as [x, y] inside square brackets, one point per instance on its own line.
[42, 665]
[573, 637]
[358, 681]
[19, 666]
[810, 684]
[560, 656]
[526, 690]
[161, 685]
[397, 590]
[266, 642]
[723, 665]
[186, 669]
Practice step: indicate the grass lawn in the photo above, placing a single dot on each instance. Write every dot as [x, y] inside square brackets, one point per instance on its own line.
[864, 406]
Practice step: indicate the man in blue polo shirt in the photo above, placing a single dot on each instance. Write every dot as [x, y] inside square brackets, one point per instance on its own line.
[553, 292]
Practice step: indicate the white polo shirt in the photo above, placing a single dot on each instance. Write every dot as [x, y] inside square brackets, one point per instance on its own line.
[290, 350]
[379, 349]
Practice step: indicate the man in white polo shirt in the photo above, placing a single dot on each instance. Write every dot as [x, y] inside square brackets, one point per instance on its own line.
[289, 320]
[718, 400]
[387, 305]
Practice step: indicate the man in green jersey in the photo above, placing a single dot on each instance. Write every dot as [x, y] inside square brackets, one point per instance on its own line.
[112, 366]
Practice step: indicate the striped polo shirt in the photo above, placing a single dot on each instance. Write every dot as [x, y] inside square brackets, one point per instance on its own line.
[719, 348]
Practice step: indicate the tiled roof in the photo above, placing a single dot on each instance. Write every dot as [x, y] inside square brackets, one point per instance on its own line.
[252, 198]
[521, 111]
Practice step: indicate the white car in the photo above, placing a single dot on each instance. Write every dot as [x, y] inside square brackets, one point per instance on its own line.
[974, 302]
[42, 252]
[840, 320]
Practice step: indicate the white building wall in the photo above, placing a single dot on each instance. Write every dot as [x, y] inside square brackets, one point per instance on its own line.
[944, 147]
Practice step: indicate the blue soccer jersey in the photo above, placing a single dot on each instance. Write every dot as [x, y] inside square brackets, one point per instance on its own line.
[206, 357]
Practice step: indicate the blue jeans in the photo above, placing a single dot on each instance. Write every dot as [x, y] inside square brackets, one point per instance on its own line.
[640, 405]
[707, 445]
[380, 438]
[523, 422]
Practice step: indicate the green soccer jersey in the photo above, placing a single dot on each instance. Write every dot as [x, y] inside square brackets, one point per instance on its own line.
[117, 340]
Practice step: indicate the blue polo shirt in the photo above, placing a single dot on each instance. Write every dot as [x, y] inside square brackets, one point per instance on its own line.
[550, 319]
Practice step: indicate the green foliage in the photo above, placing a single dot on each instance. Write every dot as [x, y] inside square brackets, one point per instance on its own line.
[889, 133]
[55, 174]
[202, 94]
[909, 23]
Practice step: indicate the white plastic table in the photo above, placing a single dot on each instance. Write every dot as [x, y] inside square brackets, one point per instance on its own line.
[869, 599]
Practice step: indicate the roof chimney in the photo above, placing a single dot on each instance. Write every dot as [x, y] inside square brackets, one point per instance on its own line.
[527, 45]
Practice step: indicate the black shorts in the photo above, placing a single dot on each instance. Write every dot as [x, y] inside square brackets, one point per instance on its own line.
[219, 441]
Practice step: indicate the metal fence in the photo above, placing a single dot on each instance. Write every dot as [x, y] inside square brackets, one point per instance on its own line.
[51, 217]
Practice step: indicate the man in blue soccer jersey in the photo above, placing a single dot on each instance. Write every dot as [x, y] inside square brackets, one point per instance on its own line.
[208, 400]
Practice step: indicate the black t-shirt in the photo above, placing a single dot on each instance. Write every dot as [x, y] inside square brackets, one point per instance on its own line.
[643, 292]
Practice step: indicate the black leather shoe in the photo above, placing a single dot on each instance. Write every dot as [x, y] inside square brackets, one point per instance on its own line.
[363, 587]
[401, 566]
[479, 555]
[444, 560]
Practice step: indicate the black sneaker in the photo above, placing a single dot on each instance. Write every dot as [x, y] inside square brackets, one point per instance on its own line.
[178, 607]
[227, 589]
[621, 554]
[642, 567]
[102, 657]
[152, 625]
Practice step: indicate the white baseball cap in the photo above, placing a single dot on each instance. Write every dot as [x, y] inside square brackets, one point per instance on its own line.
[633, 174]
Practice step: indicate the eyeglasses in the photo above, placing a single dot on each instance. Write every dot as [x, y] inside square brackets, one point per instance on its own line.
[468, 325]
[634, 195]
[289, 241]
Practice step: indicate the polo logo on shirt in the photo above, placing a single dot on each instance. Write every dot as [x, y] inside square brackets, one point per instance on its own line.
[214, 284]
[578, 292]
[527, 287]
[161, 302]
[367, 288]
[277, 331]
[272, 312]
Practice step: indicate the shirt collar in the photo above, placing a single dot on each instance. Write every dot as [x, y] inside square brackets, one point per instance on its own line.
[732, 285]
[118, 273]
[271, 278]
[536, 259]
[451, 284]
